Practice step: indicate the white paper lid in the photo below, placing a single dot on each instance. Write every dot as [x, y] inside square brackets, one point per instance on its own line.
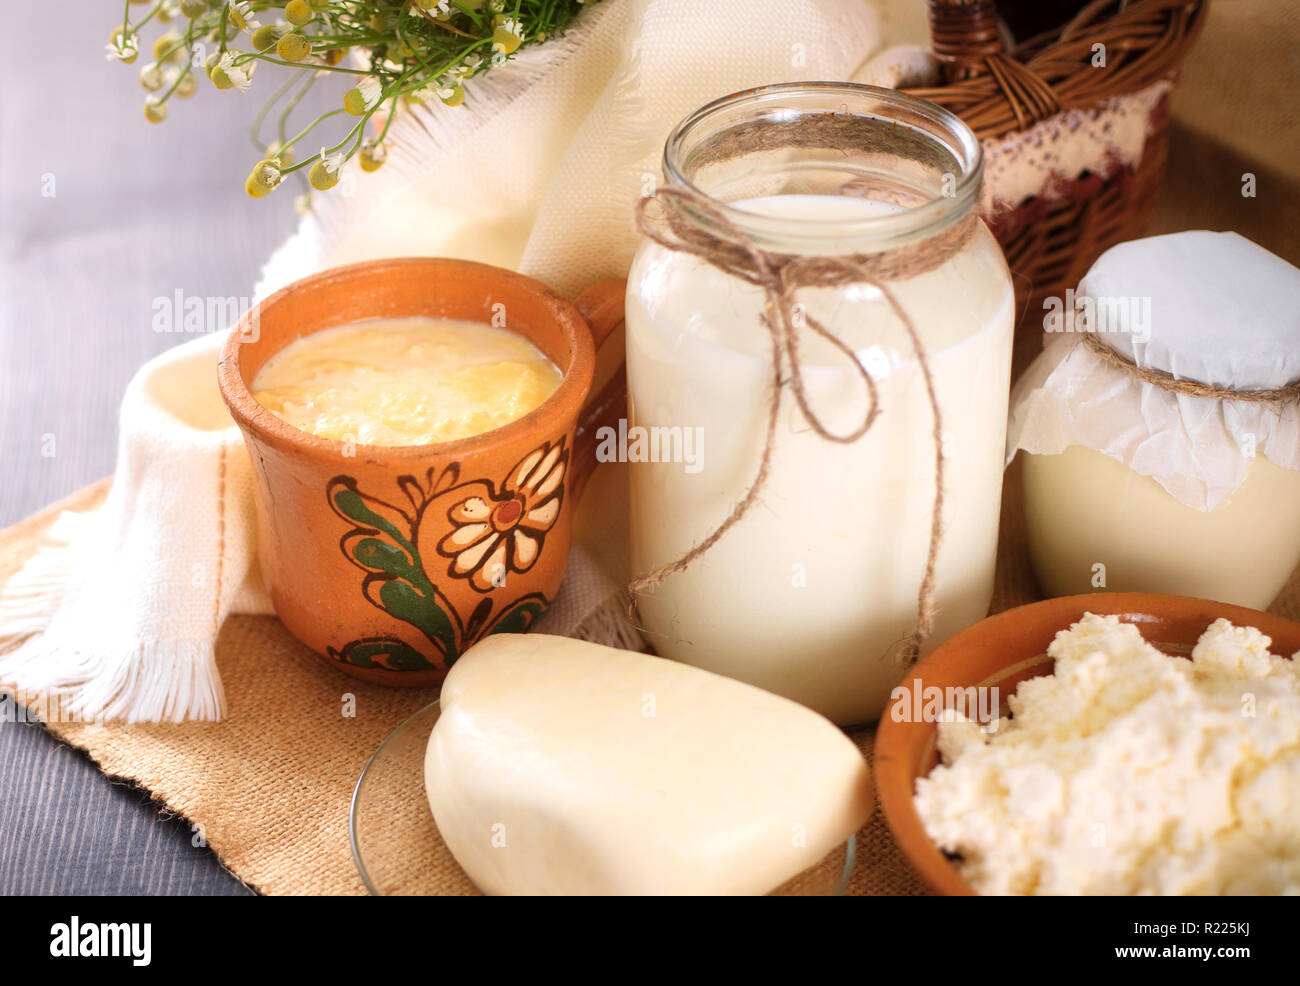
[1212, 307]
[1222, 311]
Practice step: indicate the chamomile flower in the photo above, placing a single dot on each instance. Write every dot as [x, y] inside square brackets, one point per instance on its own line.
[168, 47]
[267, 35]
[324, 174]
[151, 76]
[264, 177]
[385, 54]
[238, 76]
[468, 66]
[187, 86]
[298, 12]
[371, 89]
[372, 155]
[122, 47]
[422, 95]
[441, 9]
[293, 47]
[240, 17]
[507, 35]
[364, 97]
[450, 92]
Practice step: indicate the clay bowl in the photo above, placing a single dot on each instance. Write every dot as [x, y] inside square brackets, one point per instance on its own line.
[1004, 650]
[390, 561]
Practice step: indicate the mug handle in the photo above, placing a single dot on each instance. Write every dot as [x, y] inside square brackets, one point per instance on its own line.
[602, 306]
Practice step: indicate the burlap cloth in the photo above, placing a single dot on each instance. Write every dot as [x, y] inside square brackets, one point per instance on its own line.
[271, 784]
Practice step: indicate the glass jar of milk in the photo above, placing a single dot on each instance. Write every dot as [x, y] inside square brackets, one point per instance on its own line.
[812, 593]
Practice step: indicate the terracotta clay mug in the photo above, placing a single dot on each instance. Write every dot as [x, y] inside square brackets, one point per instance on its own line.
[391, 561]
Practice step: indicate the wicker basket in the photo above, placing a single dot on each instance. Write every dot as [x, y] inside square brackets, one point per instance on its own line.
[1052, 238]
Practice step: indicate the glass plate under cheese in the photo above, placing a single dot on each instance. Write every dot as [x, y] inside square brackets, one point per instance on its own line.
[405, 381]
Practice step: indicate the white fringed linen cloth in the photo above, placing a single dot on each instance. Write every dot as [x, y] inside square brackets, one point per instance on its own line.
[121, 610]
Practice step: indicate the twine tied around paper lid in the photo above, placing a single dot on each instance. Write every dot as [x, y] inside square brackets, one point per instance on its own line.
[781, 276]
[1192, 388]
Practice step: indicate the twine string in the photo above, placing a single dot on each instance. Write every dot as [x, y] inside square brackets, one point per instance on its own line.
[781, 277]
[1193, 388]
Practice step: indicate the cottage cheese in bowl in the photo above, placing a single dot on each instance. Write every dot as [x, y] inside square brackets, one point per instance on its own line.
[1129, 771]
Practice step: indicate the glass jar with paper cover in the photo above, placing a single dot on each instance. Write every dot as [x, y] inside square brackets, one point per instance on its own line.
[1161, 427]
[818, 314]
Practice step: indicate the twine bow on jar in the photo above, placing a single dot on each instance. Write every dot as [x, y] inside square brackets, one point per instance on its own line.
[781, 277]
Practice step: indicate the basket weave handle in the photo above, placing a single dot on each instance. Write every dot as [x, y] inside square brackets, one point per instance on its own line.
[964, 33]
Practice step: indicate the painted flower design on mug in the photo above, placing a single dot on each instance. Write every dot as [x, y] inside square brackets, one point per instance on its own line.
[499, 530]
[393, 540]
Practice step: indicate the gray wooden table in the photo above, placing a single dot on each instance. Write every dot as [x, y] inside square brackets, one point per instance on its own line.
[101, 213]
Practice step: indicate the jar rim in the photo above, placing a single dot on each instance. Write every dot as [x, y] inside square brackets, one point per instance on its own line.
[943, 128]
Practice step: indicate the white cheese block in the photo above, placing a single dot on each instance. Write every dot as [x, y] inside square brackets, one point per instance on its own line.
[559, 766]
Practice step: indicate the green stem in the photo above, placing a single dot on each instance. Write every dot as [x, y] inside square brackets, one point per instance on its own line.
[308, 129]
[126, 21]
[392, 112]
[291, 106]
[255, 131]
[149, 16]
[180, 76]
[248, 56]
[354, 136]
[473, 14]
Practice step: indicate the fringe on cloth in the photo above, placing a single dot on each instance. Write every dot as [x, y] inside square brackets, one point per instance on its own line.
[176, 680]
[32, 595]
[157, 681]
[145, 681]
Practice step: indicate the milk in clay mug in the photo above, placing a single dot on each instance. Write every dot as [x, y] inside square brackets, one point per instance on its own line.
[389, 561]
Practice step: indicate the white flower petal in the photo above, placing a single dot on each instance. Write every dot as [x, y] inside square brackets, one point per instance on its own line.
[540, 518]
[475, 508]
[470, 557]
[525, 551]
[543, 471]
[468, 534]
[526, 468]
